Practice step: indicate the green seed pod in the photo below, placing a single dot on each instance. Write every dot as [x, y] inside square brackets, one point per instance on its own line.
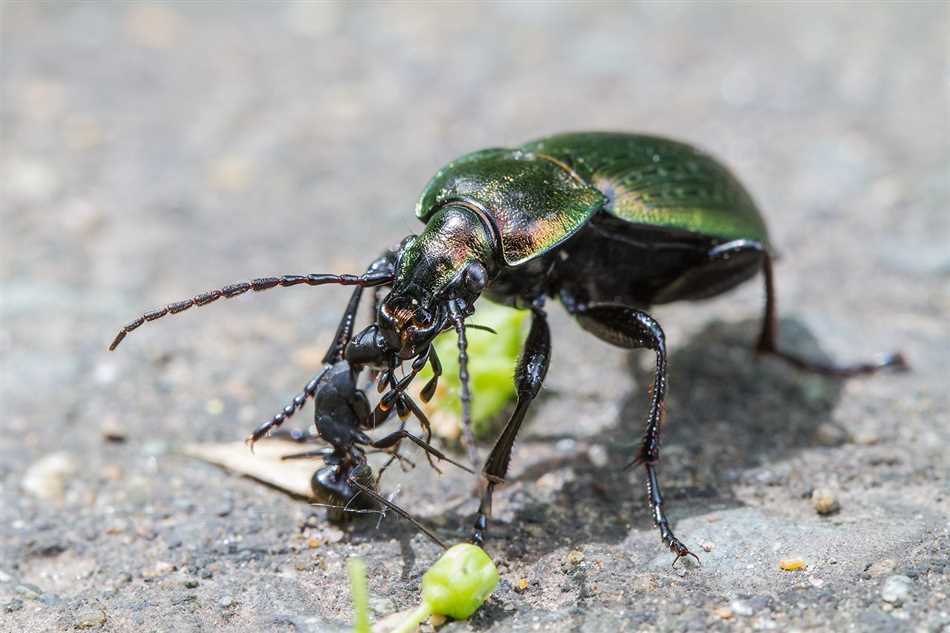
[459, 582]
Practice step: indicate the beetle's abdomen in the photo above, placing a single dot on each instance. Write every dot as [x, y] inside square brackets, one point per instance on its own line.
[659, 183]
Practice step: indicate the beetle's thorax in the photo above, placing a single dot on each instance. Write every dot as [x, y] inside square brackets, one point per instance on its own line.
[450, 262]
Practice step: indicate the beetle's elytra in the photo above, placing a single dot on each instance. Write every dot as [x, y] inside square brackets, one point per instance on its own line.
[607, 223]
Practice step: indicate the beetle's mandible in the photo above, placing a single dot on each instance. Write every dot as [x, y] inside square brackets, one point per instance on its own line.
[607, 223]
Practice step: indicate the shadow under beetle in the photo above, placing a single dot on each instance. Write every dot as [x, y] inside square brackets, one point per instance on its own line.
[608, 223]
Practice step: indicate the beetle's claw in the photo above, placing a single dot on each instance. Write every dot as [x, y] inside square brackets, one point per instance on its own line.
[682, 551]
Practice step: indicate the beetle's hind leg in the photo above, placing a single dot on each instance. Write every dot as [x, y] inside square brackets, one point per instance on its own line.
[729, 264]
[633, 329]
[768, 339]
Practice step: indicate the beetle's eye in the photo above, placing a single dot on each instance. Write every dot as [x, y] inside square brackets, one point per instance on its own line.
[475, 277]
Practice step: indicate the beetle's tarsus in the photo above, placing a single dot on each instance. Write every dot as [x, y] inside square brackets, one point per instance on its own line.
[682, 551]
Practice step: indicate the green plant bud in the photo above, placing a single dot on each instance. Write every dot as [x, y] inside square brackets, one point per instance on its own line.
[491, 365]
[459, 582]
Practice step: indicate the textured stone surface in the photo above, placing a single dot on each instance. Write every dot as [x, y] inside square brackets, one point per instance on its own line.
[153, 151]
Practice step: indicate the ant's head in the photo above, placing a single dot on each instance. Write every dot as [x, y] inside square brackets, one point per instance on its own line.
[331, 487]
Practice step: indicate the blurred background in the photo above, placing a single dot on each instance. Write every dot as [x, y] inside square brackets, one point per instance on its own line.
[154, 150]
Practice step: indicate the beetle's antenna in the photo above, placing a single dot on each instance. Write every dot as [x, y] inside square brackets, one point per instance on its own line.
[257, 285]
[466, 395]
[378, 498]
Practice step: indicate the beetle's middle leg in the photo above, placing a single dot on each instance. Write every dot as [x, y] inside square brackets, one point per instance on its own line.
[529, 374]
[631, 328]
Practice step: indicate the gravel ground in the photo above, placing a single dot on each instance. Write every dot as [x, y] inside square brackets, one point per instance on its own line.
[150, 151]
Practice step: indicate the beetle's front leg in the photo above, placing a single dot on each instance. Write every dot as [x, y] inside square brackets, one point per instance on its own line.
[465, 395]
[631, 328]
[529, 375]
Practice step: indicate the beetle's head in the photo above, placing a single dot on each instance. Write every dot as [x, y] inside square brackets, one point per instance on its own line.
[439, 273]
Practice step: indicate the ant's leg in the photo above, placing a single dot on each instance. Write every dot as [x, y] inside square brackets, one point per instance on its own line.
[394, 397]
[632, 329]
[429, 389]
[324, 451]
[768, 341]
[294, 435]
[344, 333]
[529, 374]
[335, 352]
[394, 438]
[380, 499]
[295, 405]
[393, 456]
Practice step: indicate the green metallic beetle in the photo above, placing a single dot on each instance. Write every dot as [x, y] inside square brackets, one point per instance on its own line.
[608, 223]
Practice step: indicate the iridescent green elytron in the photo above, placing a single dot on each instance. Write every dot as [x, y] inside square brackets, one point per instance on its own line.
[543, 192]
[534, 204]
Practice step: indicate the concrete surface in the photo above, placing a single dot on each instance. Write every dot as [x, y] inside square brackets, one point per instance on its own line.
[150, 151]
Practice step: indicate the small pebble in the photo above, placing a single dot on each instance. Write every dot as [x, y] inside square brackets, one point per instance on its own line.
[226, 602]
[160, 568]
[597, 455]
[521, 585]
[724, 613]
[112, 430]
[575, 557]
[896, 589]
[881, 567]
[566, 445]
[825, 501]
[90, 618]
[707, 546]
[46, 478]
[792, 564]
